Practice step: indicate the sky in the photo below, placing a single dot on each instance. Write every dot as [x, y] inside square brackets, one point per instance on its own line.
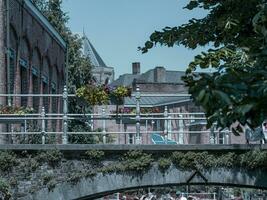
[116, 28]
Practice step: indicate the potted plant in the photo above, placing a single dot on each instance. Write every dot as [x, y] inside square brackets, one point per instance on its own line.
[6, 110]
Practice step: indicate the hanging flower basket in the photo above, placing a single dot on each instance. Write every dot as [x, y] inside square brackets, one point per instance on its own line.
[5, 112]
[99, 95]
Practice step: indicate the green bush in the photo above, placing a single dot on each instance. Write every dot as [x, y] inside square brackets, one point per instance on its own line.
[7, 160]
[254, 159]
[164, 164]
[227, 160]
[136, 161]
[52, 157]
[4, 189]
[51, 185]
[95, 155]
[47, 178]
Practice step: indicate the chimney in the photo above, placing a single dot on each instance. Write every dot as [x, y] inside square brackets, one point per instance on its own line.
[159, 75]
[136, 67]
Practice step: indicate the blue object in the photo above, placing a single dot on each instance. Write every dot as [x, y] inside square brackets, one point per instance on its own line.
[170, 141]
[158, 139]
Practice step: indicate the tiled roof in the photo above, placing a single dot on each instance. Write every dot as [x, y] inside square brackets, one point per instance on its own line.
[153, 101]
[148, 77]
[91, 52]
[41, 18]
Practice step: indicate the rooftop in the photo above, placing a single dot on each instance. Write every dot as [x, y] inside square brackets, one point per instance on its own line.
[42, 19]
[173, 77]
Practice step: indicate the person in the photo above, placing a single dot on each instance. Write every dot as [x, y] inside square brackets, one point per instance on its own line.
[183, 197]
[264, 130]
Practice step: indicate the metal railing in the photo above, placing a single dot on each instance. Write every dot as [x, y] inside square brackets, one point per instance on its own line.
[138, 118]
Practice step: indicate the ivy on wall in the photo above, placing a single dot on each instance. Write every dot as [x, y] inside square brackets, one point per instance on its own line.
[132, 162]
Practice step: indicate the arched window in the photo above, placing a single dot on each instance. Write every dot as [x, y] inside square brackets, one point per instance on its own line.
[12, 58]
[24, 67]
[36, 66]
[45, 80]
[54, 90]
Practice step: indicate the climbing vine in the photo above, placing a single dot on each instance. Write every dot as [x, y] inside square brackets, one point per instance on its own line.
[133, 162]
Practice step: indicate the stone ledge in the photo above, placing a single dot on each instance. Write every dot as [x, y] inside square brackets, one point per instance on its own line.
[120, 148]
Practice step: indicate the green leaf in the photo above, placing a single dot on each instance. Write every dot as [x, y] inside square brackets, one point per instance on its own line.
[223, 96]
[201, 95]
[243, 109]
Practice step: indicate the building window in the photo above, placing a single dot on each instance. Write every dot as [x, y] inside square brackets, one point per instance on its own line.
[45, 91]
[36, 87]
[24, 80]
[131, 139]
[12, 57]
[54, 105]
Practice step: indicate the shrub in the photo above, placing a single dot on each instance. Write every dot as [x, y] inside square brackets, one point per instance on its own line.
[4, 190]
[52, 157]
[227, 160]
[95, 155]
[137, 161]
[7, 160]
[47, 178]
[164, 164]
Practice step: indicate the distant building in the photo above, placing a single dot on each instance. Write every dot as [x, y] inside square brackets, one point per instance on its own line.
[156, 82]
[100, 72]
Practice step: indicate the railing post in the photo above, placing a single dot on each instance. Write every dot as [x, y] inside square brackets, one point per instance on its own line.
[137, 97]
[181, 130]
[212, 135]
[65, 115]
[227, 140]
[43, 125]
[165, 132]
[169, 129]
[104, 125]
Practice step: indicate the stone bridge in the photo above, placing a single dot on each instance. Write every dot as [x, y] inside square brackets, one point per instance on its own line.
[66, 172]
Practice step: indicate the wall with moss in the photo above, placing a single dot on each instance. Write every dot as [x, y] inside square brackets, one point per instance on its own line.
[24, 174]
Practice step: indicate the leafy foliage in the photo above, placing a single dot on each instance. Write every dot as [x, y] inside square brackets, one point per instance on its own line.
[52, 157]
[237, 31]
[95, 154]
[7, 160]
[164, 163]
[98, 95]
[15, 110]
[79, 66]
[4, 190]
[136, 161]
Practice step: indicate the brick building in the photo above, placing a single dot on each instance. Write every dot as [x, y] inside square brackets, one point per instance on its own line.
[156, 82]
[34, 61]
[32, 56]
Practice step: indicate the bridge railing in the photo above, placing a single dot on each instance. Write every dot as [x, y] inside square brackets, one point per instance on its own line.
[143, 124]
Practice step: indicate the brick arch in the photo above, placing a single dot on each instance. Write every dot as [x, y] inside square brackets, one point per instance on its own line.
[45, 81]
[37, 58]
[13, 47]
[24, 62]
[26, 48]
[13, 38]
[36, 75]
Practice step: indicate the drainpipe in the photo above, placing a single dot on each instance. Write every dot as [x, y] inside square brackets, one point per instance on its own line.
[8, 50]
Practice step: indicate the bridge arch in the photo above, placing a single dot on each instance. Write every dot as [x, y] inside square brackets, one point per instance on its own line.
[104, 184]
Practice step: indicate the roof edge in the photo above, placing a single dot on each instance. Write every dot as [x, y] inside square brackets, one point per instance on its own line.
[39, 15]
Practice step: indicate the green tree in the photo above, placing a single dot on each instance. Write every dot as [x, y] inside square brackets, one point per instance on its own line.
[79, 66]
[236, 30]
